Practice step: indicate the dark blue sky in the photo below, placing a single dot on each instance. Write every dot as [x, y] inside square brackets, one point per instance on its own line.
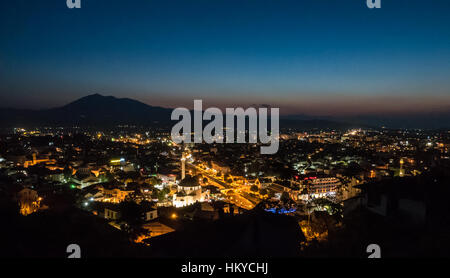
[311, 56]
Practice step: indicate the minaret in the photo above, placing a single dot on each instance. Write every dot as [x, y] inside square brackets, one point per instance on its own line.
[183, 166]
[34, 159]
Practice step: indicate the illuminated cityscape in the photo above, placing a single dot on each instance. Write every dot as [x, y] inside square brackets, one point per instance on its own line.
[331, 137]
[144, 185]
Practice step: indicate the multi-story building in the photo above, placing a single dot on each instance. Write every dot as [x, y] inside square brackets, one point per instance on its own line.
[320, 188]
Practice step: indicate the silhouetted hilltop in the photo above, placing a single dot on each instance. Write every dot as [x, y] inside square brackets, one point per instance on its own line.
[92, 110]
[106, 111]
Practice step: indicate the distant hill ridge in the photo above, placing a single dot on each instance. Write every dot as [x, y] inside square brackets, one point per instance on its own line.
[104, 111]
[92, 110]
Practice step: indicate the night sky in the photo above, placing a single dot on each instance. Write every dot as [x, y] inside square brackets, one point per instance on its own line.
[320, 57]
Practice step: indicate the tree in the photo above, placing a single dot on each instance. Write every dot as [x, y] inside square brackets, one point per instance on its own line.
[263, 191]
[154, 181]
[106, 177]
[131, 213]
[155, 193]
[331, 207]
[67, 172]
[254, 188]
[163, 193]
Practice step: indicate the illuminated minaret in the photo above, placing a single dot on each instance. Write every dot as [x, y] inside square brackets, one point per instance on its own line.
[402, 171]
[34, 159]
[183, 166]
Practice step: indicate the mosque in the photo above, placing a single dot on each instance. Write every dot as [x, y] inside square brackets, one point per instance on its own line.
[189, 190]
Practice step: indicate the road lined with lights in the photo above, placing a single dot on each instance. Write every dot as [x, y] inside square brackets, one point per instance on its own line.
[234, 197]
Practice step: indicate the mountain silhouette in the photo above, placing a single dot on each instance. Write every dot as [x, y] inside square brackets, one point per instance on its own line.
[107, 111]
[92, 110]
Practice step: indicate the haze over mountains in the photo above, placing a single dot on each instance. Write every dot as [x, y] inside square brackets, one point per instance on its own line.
[98, 110]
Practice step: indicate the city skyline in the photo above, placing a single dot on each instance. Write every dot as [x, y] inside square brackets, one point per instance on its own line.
[301, 56]
[331, 138]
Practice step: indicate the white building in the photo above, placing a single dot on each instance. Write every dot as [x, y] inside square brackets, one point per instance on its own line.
[188, 192]
[320, 188]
